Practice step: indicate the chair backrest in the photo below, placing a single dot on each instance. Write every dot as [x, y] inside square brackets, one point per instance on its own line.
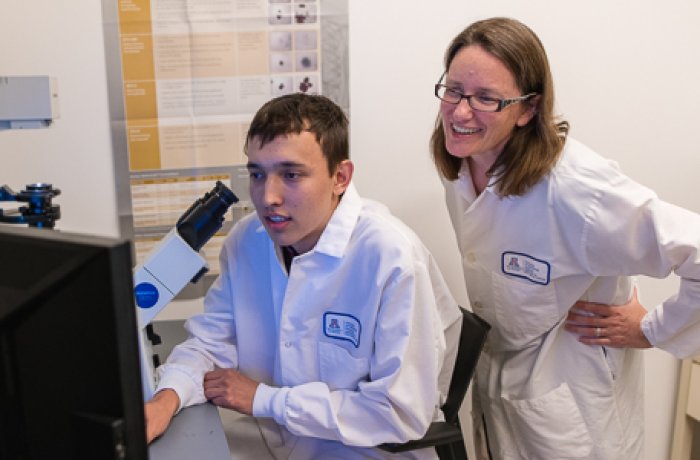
[471, 342]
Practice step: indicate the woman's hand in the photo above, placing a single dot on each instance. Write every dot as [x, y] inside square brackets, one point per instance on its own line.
[609, 325]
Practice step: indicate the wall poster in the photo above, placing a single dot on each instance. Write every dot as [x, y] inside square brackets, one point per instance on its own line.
[191, 74]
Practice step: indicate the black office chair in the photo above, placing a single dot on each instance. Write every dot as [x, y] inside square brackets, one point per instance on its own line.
[446, 436]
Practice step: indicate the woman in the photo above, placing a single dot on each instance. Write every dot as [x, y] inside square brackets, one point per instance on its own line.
[544, 223]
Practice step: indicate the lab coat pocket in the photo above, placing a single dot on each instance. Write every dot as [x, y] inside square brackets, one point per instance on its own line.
[524, 310]
[339, 369]
[549, 427]
[615, 360]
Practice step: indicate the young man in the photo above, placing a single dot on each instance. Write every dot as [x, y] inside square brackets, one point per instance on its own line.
[330, 322]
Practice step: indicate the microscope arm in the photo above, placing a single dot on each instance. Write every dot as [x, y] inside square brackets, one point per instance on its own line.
[171, 265]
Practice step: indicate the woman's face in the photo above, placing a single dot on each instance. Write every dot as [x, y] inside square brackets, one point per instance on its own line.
[480, 135]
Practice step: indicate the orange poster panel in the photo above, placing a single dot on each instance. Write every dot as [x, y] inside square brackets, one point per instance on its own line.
[144, 150]
[135, 16]
[140, 100]
[137, 57]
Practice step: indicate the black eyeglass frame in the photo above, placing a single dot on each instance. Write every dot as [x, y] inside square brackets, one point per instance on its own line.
[502, 103]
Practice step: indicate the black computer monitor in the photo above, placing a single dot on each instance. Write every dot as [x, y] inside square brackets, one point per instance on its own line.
[70, 381]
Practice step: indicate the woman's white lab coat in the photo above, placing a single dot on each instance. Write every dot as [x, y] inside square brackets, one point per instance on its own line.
[349, 346]
[580, 233]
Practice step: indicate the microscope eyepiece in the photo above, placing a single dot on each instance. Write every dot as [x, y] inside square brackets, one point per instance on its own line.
[205, 217]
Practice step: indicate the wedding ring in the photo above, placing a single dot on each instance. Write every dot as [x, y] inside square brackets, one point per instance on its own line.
[598, 332]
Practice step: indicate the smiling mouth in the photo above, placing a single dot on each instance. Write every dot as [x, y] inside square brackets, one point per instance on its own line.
[460, 130]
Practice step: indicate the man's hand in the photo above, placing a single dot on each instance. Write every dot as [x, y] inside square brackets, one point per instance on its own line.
[159, 411]
[230, 389]
[609, 325]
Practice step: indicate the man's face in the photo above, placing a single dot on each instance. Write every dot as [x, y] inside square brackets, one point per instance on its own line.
[292, 190]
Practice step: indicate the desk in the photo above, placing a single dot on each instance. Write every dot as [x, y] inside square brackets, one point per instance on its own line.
[196, 432]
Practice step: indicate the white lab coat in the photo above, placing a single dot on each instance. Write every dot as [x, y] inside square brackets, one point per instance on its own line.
[578, 234]
[348, 348]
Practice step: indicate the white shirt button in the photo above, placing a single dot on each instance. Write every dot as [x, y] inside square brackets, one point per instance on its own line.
[471, 258]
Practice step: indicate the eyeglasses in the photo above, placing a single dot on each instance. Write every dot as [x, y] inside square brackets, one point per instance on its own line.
[476, 102]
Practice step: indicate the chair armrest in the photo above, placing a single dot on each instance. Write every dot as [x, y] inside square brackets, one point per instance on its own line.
[438, 433]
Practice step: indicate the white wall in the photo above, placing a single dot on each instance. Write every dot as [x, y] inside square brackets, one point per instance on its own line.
[626, 74]
[627, 78]
[44, 37]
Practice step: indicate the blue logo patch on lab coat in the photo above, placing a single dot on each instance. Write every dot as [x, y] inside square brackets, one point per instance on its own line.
[342, 326]
[525, 266]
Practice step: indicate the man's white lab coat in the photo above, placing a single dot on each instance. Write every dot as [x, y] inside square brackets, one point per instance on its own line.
[348, 347]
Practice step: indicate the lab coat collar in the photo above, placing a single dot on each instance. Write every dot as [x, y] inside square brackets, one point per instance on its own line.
[465, 185]
[336, 236]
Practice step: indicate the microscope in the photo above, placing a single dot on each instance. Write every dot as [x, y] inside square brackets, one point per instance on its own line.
[170, 266]
[39, 211]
